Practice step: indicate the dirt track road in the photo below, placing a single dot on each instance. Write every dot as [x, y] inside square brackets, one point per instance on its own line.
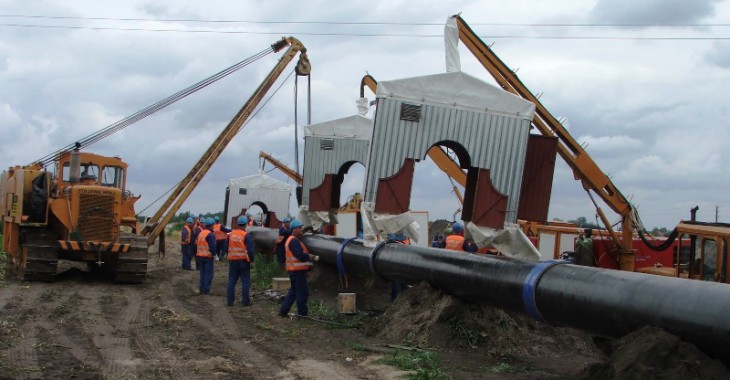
[85, 327]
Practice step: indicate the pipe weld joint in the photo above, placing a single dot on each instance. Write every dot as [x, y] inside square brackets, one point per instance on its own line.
[530, 286]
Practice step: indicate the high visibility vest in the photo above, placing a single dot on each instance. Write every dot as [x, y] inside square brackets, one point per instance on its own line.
[203, 247]
[292, 263]
[219, 235]
[455, 243]
[190, 235]
[237, 246]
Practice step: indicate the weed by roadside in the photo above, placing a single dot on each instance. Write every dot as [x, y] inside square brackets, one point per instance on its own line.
[424, 365]
[264, 269]
[318, 310]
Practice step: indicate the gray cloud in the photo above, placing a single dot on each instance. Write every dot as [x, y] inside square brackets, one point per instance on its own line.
[652, 11]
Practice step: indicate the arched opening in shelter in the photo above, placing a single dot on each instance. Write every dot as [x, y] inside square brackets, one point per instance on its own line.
[259, 213]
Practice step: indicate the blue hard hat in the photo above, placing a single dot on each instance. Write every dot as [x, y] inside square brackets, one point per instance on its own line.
[200, 215]
[392, 237]
[217, 219]
[294, 224]
[190, 219]
[242, 220]
[457, 227]
[248, 214]
[209, 221]
[286, 220]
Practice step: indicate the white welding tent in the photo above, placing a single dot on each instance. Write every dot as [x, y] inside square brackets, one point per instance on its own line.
[258, 188]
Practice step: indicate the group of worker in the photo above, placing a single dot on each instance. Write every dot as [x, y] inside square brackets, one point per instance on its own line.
[208, 241]
[454, 240]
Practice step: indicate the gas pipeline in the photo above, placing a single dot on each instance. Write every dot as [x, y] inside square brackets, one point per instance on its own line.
[603, 302]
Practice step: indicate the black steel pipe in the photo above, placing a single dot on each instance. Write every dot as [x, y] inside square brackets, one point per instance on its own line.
[600, 301]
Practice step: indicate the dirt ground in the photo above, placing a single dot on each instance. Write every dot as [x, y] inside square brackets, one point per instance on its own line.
[85, 327]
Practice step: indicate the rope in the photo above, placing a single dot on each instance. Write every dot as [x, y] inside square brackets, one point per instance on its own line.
[139, 115]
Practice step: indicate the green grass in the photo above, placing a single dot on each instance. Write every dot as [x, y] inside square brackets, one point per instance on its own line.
[425, 365]
[471, 337]
[264, 269]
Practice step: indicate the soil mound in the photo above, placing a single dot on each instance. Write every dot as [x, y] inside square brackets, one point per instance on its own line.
[426, 317]
[652, 353]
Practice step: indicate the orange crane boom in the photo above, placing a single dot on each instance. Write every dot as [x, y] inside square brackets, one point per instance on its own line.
[296, 177]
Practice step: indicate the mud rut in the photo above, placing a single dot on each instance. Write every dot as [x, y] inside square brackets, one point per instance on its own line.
[86, 327]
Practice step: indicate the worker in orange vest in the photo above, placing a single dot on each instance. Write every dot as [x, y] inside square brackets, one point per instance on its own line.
[205, 253]
[455, 241]
[221, 234]
[298, 263]
[187, 244]
[396, 286]
[240, 258]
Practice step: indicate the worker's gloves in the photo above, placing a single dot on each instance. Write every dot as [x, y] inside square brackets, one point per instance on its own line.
[315, 258]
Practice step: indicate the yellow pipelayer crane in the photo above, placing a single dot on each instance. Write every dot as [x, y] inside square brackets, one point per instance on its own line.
[80, 215]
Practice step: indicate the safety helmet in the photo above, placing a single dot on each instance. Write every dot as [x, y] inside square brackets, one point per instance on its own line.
[295, 224]
[447, 231]
[190, 219]
[286, 220]
[248, 214]
[242, 220]
[200, 215]
[457, 227]
[209, 221]
[217, 219]
[392, 237]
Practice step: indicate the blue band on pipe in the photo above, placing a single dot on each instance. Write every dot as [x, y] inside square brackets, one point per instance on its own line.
[340, 263]
[530, 285]
[374, 253]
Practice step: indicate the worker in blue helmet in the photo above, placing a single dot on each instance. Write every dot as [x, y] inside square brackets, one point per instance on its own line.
[239, 248]
[298, 263]
[205, 252]
[284, 233]
[455, 241]
[187, 243]
[221, 234]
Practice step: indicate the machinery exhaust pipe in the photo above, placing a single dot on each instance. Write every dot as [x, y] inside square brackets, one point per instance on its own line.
[604, 302]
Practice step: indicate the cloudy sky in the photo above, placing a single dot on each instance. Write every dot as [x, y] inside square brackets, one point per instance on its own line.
[641, 84]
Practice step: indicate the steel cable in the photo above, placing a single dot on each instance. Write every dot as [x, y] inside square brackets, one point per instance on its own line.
[139, 115]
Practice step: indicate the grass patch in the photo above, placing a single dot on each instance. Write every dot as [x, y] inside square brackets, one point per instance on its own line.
[319, 310]
[168, 317]
[264, 269]
[424, 365]
[356, 346]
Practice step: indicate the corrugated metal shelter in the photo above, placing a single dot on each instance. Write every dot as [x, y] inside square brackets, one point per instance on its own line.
[330, 148]
[485, 126]
[268, 193]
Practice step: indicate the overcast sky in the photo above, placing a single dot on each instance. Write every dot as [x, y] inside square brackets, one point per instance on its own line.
[641, 84]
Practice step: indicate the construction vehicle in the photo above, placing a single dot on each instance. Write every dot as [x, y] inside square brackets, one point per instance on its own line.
[88, 215]
[77, 212]
[710, 238]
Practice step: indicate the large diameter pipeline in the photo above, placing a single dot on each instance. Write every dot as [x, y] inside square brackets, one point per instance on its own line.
[605, 302]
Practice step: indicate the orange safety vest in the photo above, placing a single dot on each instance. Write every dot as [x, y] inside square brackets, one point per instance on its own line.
[203, 247]
[190, 235]
[292, 263]
[455, 243]
[237, 246]
[219, 235]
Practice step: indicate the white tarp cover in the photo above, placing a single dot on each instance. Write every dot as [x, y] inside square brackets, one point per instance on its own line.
[376, 226]
[510, 241]
[352, 127]
[259, 187]
[458, 90]
[451, 40]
